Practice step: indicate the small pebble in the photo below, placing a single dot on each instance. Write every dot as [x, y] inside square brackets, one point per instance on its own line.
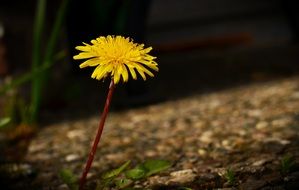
[63, 187]
[202, 152]
[260, 162]
[182, 176]
[262, 125]
[284, 122]
[72, 157]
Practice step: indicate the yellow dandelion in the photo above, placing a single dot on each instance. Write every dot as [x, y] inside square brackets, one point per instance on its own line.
[117, 56]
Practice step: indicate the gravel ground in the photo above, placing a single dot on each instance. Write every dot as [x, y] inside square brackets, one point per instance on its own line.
[247, 129]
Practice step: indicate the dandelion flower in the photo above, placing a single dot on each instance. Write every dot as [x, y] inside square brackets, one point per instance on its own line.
[117, 57]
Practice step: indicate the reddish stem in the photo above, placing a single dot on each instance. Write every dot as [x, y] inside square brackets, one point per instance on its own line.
[98, 136]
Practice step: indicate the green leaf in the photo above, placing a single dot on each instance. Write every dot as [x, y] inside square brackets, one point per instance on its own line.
[69, 178]
[123, 183]
[4, 121]
[148, 168]
[117, 171]
[136, 173]
[155, 166]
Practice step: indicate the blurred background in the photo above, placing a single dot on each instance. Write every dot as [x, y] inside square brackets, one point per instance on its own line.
[201, 46]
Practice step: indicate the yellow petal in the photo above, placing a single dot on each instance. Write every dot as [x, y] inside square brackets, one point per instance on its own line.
[96, 71]
[151, 64]
[140, 71]
[90, 62]
[133, 73]
[84, 55]
[105, 70]
[142, 68]
[118, 57]
[116, 77]
[147, 50]
[142, 74]
[83, 48]
[124, 73]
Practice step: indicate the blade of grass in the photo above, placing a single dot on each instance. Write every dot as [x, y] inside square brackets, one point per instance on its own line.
[30, 75]
[55, 32]
[4, 121]
[36, 56]
[22, 79]
[48, 59]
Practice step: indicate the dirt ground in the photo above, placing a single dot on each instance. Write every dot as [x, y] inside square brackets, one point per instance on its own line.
[249, 130]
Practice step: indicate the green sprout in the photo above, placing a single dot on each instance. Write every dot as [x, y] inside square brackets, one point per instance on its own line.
[123, 177]
[69, 179]
[287, 164]
[230, 176]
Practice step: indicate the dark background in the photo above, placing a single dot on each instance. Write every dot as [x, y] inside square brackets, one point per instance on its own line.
[201, 46]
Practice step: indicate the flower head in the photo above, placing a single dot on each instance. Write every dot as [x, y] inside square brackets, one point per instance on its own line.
[117, 57]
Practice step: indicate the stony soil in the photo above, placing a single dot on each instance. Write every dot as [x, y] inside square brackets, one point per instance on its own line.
[246, 129]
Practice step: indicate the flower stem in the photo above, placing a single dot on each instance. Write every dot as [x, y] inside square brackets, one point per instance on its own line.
[98, 136]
